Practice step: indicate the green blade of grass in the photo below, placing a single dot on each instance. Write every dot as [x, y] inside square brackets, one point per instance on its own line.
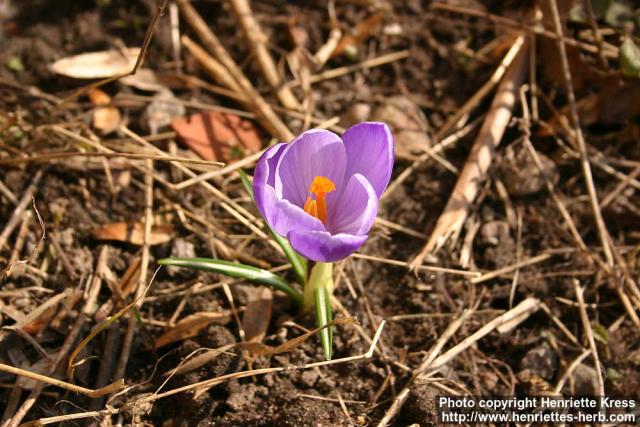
[298, 263]
[324, 316]
[234, 269]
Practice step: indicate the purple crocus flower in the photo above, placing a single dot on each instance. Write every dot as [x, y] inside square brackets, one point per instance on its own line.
[321, 192]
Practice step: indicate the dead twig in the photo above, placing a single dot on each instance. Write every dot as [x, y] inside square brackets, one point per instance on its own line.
[509, 268]
[218, 380]
[46, 157]
[596, 33]
[265, 114]
[143, 51]
[111, 388]
[477, 97]
[142, 278]
[533, 29]
[589, 332]
[16, 217]
[8, 193]
[502, 323]
[212, 382]
[401, 398]
[341, 71]
[258, 42]
[323, 54]
[579, 137]
[22, 411]
[455, 212]
[429, 268]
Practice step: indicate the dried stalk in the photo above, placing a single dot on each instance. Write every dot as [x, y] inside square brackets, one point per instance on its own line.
[258, 43]
[509, 268]
[603, 233]
[217, 71]
[90, 302]
[589, 332]
[503, 323]
[16, 217]
[489, 136]
[477, 97]
[212, 382]
[401, 398]
[144, 267]
[264, 113]
[111, 388]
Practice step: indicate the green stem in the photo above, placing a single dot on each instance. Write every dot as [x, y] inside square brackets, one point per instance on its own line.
[321, 276]
[324, 316]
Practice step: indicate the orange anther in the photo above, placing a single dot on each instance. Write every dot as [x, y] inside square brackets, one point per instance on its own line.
[321, 184]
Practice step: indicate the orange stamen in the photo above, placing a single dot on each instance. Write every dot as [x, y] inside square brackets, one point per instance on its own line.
[320, 186]
[311, 207]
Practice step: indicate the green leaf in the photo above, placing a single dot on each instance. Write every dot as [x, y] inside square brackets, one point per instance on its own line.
[234, 269]
[629, 56]
[324, 316]
[317, 292]
[298, 263]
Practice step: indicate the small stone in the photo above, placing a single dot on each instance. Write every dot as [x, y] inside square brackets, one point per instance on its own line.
[409, 125]
[181, 248]
[161, 111]
[309, 377]
[421, 405]
[493, 233]
[268, 380]
[21, 303]
[66, 237]
[585, 381]
[325, 385]
[500, 246]
[541, 361]
[82, 259]
[489, 380]
[358, 112]
[521, 175]
[242, 396]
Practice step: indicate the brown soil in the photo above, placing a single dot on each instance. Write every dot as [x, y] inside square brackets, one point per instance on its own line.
[443, 70]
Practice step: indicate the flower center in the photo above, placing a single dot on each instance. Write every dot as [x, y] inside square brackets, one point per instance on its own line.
[320, 186]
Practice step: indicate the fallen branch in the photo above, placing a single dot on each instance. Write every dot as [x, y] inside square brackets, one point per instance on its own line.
[111, 388]
[502, 323]
[489, 136]
[212, 382]
[258, 43]
[401, 398]
[603, 233]
[218, 380]
[264, 113]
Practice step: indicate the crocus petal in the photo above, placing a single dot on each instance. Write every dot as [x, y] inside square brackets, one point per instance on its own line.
[281, 215]
[369, 148]
[356, 210]
[284, 216]
[264, 174]
[324, 247]
[315, 152]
